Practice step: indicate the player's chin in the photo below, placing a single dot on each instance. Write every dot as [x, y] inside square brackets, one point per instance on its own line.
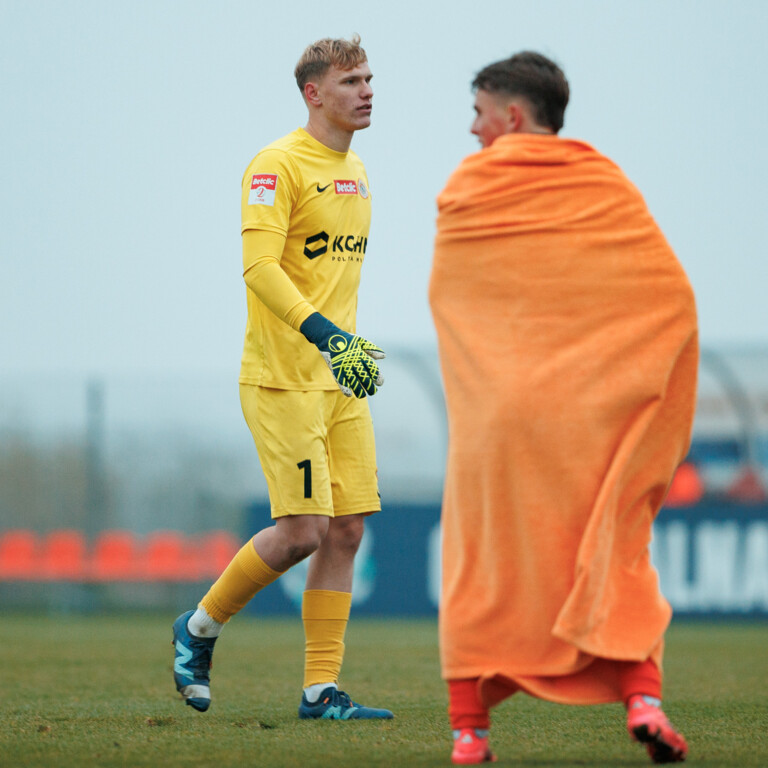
[362, 119]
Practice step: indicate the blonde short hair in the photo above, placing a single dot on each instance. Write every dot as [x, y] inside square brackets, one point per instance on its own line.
[323, 54]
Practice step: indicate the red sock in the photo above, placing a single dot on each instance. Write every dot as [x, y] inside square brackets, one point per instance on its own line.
[465, 708]
[639, 678]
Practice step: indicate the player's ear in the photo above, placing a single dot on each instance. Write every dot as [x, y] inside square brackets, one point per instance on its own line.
[515, 117]
[312, 94]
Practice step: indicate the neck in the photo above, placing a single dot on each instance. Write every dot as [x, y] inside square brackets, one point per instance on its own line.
[334, 138]
[528, 126]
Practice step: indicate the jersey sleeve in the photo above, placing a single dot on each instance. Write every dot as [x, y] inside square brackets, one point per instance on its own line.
[264, 276]
[269, 192]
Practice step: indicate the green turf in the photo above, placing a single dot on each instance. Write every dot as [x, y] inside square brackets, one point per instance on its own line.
[97, 691]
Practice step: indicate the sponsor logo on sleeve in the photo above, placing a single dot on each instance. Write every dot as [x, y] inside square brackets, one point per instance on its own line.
[263, 186]
[345, 186]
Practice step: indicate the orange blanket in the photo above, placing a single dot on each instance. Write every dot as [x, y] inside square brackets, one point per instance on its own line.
[568, 343]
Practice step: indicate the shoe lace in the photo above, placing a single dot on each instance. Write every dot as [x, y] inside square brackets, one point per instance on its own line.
[202, 658]
[341, 698]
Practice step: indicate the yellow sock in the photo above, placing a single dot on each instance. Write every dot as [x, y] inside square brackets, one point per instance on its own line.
[325, 615]
[246, 575]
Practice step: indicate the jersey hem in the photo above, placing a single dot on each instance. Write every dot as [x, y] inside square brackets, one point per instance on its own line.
[297, 387]
[246, 226]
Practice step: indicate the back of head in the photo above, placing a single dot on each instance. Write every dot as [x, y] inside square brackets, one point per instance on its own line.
[324, 54]
[534, 77]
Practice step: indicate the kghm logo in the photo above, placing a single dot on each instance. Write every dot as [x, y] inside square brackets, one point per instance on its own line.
[320, 243]
[317, 245]
[349, 243]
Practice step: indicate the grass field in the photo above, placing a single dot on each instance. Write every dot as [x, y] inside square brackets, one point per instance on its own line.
[97, 691]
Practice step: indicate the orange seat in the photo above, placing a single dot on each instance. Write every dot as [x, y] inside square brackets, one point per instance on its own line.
[62, 556]
[169, 557]
[748, 487]
[18, 555]
[215, 550]
[115, 557]
[687, 487]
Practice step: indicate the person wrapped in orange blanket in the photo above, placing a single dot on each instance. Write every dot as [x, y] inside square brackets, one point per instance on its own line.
[568, 344]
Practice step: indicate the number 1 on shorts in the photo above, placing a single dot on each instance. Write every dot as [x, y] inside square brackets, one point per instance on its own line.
[306, 465]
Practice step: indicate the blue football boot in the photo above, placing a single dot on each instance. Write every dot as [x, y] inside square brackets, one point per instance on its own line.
[334, 704]
[192, 664]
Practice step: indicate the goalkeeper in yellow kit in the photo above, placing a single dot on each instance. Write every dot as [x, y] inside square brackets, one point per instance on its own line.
[305, 375]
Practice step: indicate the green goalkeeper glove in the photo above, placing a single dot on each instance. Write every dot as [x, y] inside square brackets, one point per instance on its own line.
[350, 358]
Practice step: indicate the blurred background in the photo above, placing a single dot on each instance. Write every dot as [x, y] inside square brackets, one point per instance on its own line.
[127, 474]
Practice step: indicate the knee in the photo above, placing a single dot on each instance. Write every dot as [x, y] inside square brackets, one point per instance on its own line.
[301, 539]
[346, 533]
[298, 550]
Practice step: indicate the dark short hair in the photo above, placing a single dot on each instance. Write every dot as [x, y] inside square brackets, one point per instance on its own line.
[534, 77]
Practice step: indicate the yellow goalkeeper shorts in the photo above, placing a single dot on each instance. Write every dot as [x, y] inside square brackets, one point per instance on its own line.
[316, 449]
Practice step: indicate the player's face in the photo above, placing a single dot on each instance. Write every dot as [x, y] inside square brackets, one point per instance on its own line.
[491, 118]
[347, 97]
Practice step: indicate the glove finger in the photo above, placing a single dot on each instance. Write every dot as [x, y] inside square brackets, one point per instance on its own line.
[368, 368]
[377, 353]
[341, 380]
[351, 383]
[363, 383]
[376, 379]
[360, 389]
[366, 373]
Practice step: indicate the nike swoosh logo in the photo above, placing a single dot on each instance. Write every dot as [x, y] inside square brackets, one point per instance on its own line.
[322, 189]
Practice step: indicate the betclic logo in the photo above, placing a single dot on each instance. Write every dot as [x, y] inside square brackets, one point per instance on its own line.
[345, 186]
[263, 187]
[268, 180]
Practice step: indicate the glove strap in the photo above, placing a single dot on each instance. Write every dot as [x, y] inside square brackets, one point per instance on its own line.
[318, 329]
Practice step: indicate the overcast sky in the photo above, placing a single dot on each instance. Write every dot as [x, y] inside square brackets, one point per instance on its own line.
[126, 128]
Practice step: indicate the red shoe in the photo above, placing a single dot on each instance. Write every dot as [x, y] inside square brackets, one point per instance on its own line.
[647, 724]
[470, 746]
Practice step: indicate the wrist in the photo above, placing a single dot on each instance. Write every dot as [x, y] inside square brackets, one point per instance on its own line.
[317, 329]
